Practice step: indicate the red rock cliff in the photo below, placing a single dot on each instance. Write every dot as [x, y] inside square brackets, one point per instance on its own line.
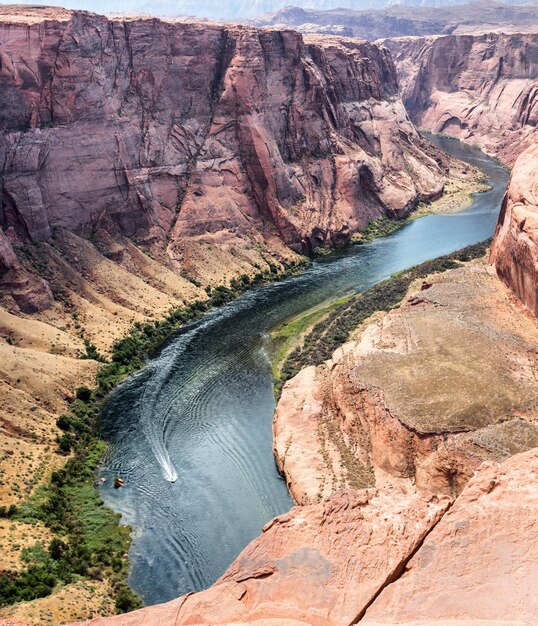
[515, 246]
[198, 132]
[480, 88]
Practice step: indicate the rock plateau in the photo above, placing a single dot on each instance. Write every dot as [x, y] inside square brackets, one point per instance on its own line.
[398, 21]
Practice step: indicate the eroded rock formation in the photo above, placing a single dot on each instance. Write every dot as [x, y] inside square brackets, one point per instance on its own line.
[480, 88]
[430, 391]
[515, 246]
[317, 565]
[479, 562]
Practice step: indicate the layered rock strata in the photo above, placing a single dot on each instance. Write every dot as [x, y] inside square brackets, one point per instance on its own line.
[480, 88]
[429, 392]
[198, 134]
[515, 246]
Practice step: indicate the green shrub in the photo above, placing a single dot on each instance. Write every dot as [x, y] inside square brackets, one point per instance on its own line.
[84, 394]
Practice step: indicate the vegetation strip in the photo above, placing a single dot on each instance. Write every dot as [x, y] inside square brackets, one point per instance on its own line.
[88, 539]
[287, 335]
[335, 329]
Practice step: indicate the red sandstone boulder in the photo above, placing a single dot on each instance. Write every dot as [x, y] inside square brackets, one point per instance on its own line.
[382, 558]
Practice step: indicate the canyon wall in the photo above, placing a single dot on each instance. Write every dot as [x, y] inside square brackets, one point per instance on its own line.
[196, 134]
[515, 245]
[480, 88]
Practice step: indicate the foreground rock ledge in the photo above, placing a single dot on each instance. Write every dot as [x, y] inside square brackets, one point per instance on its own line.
[398, 558]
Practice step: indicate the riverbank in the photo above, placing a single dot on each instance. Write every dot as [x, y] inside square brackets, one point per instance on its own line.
[464, 182]
[434, 518]
[318, 342]
[61, 539]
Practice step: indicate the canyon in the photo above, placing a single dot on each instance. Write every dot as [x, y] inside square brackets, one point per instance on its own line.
[479, 88]
[416, 495]
[123, 197]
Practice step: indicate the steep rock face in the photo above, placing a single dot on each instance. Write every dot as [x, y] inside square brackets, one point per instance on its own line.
[198, 133]
[515, 245]
[479, 563]
[352, 423]
[482, 89]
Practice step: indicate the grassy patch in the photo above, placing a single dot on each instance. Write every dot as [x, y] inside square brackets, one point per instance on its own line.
[334, 330]
[286, 337]
[383, 227]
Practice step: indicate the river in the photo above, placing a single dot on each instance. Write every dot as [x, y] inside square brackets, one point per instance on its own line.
[202, 410]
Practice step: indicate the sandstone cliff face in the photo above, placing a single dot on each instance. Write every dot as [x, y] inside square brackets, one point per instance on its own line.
[479, 563]
[480, 88]
[515, 245]
[198, 134]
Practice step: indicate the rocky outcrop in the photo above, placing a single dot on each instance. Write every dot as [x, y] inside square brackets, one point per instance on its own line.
[384, 557]
[199, 134]
[515, 246]
[480, 88]
[353, 423]
[335, 556]
[479, 562]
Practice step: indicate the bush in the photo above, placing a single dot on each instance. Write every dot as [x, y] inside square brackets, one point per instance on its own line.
[126, 600]
[84, 394]
[57, 549]
[63, 423]
[65, 443]
[92, 352]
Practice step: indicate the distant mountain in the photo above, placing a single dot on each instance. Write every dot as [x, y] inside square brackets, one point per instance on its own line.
[231, 9]
[397, 21]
